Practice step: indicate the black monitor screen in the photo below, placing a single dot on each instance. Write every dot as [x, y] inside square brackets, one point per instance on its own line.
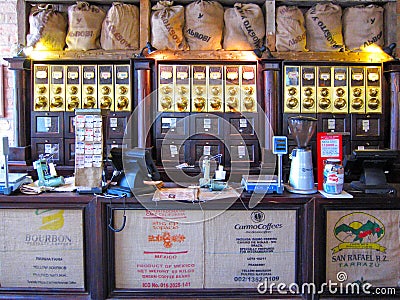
[370, 166]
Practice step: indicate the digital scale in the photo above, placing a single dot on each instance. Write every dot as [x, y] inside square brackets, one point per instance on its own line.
[10, 182]
[268, 184]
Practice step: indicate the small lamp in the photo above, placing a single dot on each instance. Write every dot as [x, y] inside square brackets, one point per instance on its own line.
[389, 49]
[260, 51]
[150, 49]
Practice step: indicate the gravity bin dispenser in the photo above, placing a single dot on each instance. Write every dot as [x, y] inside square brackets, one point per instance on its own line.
[345, 98]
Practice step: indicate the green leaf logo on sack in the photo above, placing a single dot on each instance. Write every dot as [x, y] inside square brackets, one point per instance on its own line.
[359, 230]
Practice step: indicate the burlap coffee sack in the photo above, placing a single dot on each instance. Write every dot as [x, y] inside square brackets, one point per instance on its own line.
[324, 27]
[204, 25]
[120, 29]
[290, 29]
[47, 28]
[84, 26]
[167, 22]
[244, 27]
[363, 26]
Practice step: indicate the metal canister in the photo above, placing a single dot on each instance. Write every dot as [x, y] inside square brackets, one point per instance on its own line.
[333, 176]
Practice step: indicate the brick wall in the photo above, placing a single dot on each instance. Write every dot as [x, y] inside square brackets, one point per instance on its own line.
[8, 42]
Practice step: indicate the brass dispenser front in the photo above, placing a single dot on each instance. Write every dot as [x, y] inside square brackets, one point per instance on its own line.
[232, 88]
[89, 86]
[57, 88]
[166, 88]
[123, 88]
[324, 90]
[105, 87]
[308, 89]
[199, 88]
[41, 86]
[215, 89]
[373, 89]
[357, 89]
[291, 97]
[248, 89]
[340, 95]
[182, 88]
[73, 87]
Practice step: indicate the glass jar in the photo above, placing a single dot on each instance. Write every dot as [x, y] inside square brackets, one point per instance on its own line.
[333, 176]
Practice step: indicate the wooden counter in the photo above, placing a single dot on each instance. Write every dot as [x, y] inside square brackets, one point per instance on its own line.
[221, 248]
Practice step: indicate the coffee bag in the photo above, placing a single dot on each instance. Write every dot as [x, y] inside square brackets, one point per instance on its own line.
[47, 28]
[167, 22]
[324, 27]
[204, 25]
[290, 29]
[120, 28]
[363, 26]
[244, 27]
[85, 23]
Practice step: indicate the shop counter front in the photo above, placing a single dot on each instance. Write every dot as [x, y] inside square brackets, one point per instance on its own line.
[74, 246]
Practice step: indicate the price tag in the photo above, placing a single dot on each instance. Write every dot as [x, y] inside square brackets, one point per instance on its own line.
[331, 124]
[80, 134]
[172, 123]
[80, 161]
[88, 161]
[97, 121]
[206, 124]
[47, 123]
[97, 160]
[89, 135]
[242, 123]
[80, 121]
[241, 151]
[330, 148]
[80, 148]
[97, 135]
[97, 148]
[48, 148]
[113, 122]
[88, 148]
[89, 120]
[207, 150]
[365, 125]
[173, 150]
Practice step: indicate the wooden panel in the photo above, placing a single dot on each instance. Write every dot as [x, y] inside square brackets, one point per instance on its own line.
[145, 30]
[47, 124]
[47, 246]
[173, 125]
[116, 124]
[69, 124]
[48, 146]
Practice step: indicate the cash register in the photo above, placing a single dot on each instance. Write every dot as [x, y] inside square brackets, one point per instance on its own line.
[371, 165]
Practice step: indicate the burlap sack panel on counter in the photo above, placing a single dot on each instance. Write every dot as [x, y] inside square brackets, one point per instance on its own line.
[324, 28]
[120, 28]
[167, 23]
[363, 26]
[290, 29]
[244, 27]
[85, 23]
[47, 28]
[204, 25]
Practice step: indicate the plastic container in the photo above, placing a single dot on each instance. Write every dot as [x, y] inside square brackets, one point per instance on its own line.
[333, 176]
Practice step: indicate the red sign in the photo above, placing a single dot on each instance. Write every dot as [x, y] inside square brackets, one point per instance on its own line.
[328, 146]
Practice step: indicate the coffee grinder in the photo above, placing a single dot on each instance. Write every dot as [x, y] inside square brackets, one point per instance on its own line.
[301, 178]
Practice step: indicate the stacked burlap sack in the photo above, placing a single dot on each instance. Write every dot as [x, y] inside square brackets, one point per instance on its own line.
[206, 25]
[326, 27]
[86, 27]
